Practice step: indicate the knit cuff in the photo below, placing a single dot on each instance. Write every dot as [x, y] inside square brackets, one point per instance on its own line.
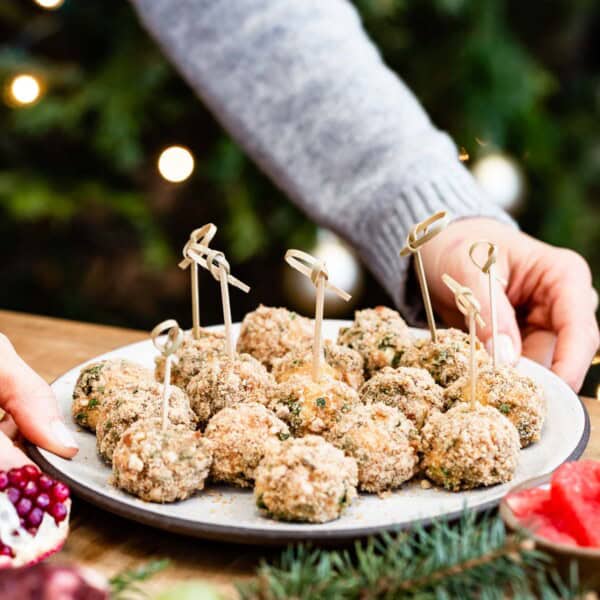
[386, 223]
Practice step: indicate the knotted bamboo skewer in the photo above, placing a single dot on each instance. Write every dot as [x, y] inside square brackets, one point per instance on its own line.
[199, 237]
[470, 307]
[167, 346]
[216, 264]
[316, 271]
[489, 269]
[418, 236]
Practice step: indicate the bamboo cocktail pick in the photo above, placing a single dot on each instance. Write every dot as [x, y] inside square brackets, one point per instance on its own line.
[316, 271]
[199, 237]
[489, 269]
[167, 347]
[418, 236]
[470, 307]
[216, 264]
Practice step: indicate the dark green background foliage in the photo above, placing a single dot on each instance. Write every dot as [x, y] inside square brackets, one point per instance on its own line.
[89, 230]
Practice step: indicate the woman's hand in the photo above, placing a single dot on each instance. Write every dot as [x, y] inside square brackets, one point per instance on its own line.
[31, 408]
[547, 311]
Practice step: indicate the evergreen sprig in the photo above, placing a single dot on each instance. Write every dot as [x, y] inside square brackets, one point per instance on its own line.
[474, 558]
[124, 585]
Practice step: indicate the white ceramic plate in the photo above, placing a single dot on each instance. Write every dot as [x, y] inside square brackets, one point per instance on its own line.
[228, 513]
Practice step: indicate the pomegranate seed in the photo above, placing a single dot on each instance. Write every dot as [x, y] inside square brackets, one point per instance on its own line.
[44, 482]
[5, 550]
[13, 494]
[31, 471]
[43, 500]
[60, 492]
[24, 506]
[31, 489]
[34, 518]
[58, 511]
[15, 476]
[3, 480]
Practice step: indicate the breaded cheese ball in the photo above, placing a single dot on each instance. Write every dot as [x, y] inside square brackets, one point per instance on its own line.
[380, 335]
[190, 356]
[127, 405]
[95, 383]
[411, 390]
[239, 436]
[469, 447]
[446, 360]
[382, 441]
[516, 396]
[268, 333]
[309, 406]
[161, 466]
[305, 479]
[224, 382]
[341, 363]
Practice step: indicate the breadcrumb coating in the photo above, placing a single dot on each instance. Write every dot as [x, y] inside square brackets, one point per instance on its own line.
[305, 479]
[382, 441]
[411, 390]
[448, 359]
[340, 362]
[161, 466]
[516, 396]
[224, 382]
[239, 436]
[380, 335]
[190, 356]
[309, 406]
[469, 447]
[95, 383]
[129, 404]
[268, 333]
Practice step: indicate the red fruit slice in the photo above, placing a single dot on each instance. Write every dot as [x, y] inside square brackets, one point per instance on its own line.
[34, 511]
[553, 534]
[575, 494]
[528, 502]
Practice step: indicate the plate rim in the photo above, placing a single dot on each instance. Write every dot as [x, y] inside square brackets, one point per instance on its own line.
[242, 535]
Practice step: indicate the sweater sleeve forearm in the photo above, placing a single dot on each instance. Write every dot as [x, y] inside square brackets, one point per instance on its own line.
[304, 91]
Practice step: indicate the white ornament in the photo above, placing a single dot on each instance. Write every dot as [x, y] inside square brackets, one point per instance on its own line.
[501, 178]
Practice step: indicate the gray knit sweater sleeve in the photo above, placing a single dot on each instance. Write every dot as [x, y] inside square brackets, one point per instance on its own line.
[306, 94]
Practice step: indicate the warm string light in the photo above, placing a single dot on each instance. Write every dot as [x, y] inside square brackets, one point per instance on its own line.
[175, 164]
[24, 89]
[50, 4]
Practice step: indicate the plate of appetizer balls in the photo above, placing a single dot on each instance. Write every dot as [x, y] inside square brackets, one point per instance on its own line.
[257, 451]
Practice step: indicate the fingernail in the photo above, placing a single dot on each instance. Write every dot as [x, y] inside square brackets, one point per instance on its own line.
[62, 435]
[505, 351]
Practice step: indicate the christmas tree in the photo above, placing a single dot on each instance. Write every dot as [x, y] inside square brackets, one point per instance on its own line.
[87, 221]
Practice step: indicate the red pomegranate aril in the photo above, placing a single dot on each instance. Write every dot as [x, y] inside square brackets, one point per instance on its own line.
[44, 482]
[3, 480]
[43, 500]
[31, 471]
[13, 494]
[34, 518]
[23, 507]
[31, 489]
[16, 478]
[60, 492]
[58, 511]
[5, 550]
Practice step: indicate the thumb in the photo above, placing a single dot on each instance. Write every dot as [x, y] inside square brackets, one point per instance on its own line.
[507, 343]
[32, 404]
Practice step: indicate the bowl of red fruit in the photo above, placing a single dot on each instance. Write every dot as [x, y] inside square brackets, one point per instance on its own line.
[561, 513]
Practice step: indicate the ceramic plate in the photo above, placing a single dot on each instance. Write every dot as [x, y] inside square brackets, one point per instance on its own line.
[229, 514]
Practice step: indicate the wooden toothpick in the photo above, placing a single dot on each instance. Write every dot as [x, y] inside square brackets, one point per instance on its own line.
[470, 307]
[167, 347]
[316, 271]
[489, 269]
[216, 264]
[418, 236]
[199, 237]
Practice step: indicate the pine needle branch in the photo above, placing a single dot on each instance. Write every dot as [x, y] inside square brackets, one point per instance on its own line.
[123, 586]
[474, 558]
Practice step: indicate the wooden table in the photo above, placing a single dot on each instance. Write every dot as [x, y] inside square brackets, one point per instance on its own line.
[109, 543]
